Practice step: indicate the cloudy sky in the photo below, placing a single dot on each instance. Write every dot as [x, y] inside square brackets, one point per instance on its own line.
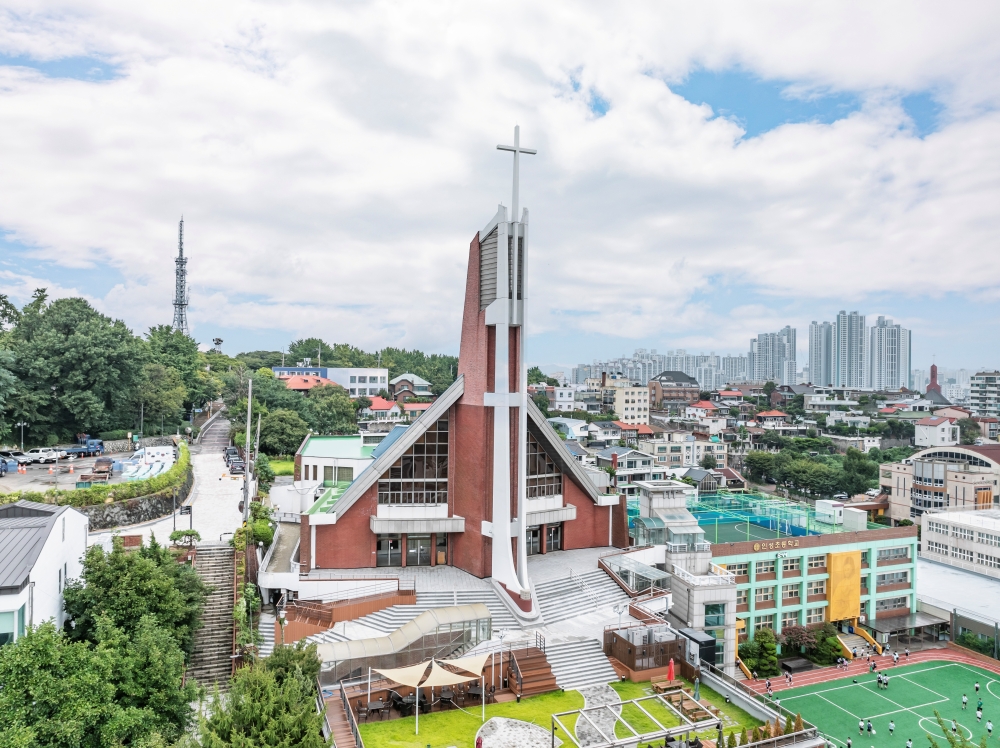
[706, 171]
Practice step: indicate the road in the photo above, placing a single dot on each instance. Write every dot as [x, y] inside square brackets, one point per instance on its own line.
[214, 500]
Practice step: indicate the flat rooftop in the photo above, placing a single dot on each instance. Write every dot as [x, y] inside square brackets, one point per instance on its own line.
[988, 519]
[959, 588]
[345, 447]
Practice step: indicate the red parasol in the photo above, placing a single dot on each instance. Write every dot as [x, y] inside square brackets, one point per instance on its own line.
[670, 669]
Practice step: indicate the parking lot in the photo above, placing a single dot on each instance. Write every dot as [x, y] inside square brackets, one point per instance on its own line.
[38, 477]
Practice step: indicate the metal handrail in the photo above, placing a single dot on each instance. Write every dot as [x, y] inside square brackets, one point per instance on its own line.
[358, 742]
[809, 729]
[517, 671]
[585, 587]
[540, 641]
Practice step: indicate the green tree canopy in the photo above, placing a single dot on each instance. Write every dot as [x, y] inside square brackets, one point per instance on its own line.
[161, 392]
[126, 586]
[282, 431]
[260, 711]
[708, 462]
[333, 410]
[535, 376]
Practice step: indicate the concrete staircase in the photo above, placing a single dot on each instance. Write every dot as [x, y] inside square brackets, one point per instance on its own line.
[565, 598]
[853, 640]
[211, 661]
[536, 672]
[392, 618]
[266, 627]
[579, 663]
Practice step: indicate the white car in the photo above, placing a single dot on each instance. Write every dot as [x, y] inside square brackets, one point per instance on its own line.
[44, 454]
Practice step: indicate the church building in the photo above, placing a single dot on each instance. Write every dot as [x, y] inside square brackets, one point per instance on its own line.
[480, 480]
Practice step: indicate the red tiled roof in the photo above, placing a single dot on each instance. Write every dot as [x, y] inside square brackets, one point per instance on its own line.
[380, 403]
[723, 393]
[772, 414]
[299, 382]
[888, 410]
[416, 406]
[626, 426]
[934, 421]
[704, 405]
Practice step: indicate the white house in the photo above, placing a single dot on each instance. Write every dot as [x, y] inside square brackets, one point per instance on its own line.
[382, 410]
[701, 409]
[573, 428]
[605, 431]
[935, 431]
[853, 419]
[564, 399]
[41, 546]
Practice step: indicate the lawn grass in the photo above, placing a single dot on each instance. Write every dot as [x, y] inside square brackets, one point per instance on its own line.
[627, 691]
[916, 692]
[456, 728]
[283, 467]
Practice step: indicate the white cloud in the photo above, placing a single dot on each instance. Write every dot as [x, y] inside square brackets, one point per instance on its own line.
[334, 160]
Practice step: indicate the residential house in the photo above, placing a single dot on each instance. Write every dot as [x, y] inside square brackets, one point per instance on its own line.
[413, 410]
[607, 433]
[408, 386]
[630, 466]
[304, 383]
[701, 409]
[358, 381]
[953, 411]
[677, 449]
[41, 548]
[631, 403]
[382, 410]
[632, 432]
[730, 396]
[989, 427]
[672, 387]
[936, 431]
[772, 418]
[571, 428]
[854, 419]
[580, 454]
[731, 479]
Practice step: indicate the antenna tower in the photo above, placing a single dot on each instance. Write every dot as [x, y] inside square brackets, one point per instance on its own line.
[180, 285]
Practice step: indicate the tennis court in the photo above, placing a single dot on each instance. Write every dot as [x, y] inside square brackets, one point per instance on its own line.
[734, 532]
[915, 692]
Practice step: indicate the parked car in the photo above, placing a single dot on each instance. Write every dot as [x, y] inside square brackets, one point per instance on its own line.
[232, 453]
[44, 454]
[17, 456]
[236, 467]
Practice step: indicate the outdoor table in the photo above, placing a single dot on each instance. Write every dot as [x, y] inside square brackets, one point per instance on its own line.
[374, 706]
[476, 691]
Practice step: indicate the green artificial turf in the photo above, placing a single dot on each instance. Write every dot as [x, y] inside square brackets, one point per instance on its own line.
[915, 693]
[456, 728]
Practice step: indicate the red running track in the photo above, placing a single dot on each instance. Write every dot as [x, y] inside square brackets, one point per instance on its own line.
[860, 667]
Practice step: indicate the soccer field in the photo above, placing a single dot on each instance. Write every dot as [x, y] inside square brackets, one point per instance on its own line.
[735, 532]
[915, 692]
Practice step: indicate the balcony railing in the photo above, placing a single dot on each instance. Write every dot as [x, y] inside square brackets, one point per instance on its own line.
[716, 578]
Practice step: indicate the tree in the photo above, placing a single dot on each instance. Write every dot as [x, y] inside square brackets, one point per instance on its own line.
[126, 586]
[827, 648]
[333, 410]
[185, 537]
[731, 740]
[759, 465]
[859, 472]
[955, 740]
[161, 392]
[282, 432]
[264, 472]
[299, 660]
[799, 727]
[260, 359]
[708, 462]
[769, 387]
[82, 367]
[535, 376]
[743, 736]
[797, 638]
[968, 431]
[258, 710]
[542, 401]
[767, 661]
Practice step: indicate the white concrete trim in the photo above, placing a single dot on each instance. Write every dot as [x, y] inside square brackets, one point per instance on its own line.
[447, 524]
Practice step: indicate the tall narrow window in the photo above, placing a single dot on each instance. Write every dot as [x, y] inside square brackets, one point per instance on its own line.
[421, 475]
[544, 477]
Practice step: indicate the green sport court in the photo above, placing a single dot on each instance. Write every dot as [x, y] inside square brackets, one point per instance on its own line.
[915, 692]
[735, 532]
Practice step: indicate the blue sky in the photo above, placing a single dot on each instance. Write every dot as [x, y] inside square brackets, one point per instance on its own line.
[702, 177]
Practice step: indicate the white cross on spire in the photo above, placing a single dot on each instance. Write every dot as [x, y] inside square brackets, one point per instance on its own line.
[517, 150]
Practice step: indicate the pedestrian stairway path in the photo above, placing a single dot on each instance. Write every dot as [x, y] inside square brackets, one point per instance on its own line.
[569, 597]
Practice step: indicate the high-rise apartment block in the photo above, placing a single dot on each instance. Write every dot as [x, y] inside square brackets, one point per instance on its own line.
[849, 348]
[888, 356]
[821, 353]
[984, 395]
[772, 357]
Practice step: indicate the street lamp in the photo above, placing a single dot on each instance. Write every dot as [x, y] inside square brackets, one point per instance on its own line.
[22, 424]
[619, 609]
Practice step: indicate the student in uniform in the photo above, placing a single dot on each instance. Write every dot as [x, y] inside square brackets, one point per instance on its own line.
[979, 714]
[989, 727]
[861, 727]
[954, 727]
[965, 701]
[870, 728]
[909, 743]
[892, 727]
[977, 686]
[849, 743]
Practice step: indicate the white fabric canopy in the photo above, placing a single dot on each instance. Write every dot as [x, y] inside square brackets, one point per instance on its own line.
[405, 676]
[473, 664]
[441, 677]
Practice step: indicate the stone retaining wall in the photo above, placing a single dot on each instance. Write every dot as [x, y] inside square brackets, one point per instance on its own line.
[138, 510]
[124, 445]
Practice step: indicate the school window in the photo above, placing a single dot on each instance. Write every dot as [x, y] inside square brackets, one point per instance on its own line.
[789, 591]
[864, 557]
[986, 560]
[817, 562]
[963, 533]
[715, 614]
[893, 554]
[814, 615]
[741, 597]
[988, 538]
[789, 619]
[961, 554]
[892, 603]
[897, 577]
[937, 527]
[765, 567]
[764, 594]
[764, 622]
[937, 548]
[740, 570]
[816, 588]
[420, 476]
[791, 564]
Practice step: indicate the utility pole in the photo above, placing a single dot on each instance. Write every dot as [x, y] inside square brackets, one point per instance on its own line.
[319, 354]
[246, 454]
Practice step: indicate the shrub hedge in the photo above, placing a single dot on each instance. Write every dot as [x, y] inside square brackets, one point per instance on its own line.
[94, 495]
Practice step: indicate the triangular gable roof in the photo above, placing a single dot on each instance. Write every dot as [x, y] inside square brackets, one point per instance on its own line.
[704, 405]
[402, 443]
[772, 414]
[409, 378]
[380, 403]
[556, 449]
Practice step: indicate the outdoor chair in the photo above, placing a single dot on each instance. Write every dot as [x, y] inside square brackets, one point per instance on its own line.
[362, 711]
